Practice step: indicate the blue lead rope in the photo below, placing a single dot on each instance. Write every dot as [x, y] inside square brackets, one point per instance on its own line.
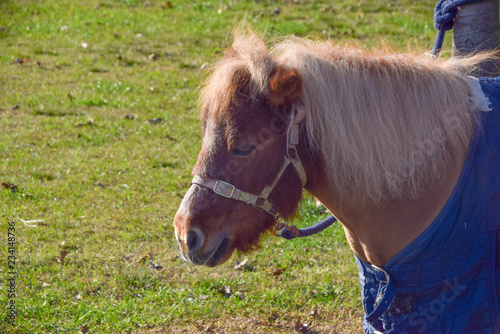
[444, 16]
[305, 232]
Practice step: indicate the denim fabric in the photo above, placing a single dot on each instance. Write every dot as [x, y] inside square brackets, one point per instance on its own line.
[448, 279]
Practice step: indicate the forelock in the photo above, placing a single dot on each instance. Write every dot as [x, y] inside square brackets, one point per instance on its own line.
[244, 69]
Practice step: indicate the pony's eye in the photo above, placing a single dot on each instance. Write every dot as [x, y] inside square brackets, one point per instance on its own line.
[243, 151]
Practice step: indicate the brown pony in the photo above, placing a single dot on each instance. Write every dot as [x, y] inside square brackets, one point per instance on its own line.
[401, 148]
[382, 138]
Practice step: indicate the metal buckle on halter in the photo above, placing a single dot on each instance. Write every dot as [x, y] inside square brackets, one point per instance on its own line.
[223, 184]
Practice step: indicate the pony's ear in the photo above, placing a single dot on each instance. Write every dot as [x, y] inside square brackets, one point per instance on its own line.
[285, 86]
[231, 53]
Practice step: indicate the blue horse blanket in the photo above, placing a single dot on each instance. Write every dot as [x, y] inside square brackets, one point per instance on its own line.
[448, 279]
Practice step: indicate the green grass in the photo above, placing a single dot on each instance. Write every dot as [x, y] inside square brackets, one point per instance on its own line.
[107, 186]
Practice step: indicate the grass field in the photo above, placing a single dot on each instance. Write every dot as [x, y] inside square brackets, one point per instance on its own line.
[98, 134]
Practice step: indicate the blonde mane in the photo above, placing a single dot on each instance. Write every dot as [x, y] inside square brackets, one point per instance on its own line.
[385, 124]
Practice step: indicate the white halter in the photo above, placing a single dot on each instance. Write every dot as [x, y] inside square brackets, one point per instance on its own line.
[227, 190]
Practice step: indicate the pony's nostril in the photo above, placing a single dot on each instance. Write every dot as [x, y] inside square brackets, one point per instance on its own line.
[194, 241]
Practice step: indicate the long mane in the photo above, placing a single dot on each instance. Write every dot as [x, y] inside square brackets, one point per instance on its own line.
[384, 123]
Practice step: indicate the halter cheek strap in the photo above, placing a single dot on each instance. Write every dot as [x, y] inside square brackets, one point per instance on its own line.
[228, 190]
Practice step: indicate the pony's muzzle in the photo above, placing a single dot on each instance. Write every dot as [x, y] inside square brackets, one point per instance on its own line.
[196, 247]
[192, 248]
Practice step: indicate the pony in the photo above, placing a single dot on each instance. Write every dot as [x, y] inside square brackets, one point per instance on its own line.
[389, 143]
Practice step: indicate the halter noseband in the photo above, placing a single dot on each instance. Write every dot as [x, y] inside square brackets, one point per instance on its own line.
[227, 190]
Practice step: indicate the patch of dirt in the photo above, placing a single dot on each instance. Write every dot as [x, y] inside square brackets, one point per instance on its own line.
[331, 324]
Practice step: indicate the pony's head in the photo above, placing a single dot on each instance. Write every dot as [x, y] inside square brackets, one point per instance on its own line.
[247, 111]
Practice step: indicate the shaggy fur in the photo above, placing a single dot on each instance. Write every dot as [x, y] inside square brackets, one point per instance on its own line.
[384, 123]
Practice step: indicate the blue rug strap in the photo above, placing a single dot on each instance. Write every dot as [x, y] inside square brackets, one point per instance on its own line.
[291, 232]
[385, 295]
